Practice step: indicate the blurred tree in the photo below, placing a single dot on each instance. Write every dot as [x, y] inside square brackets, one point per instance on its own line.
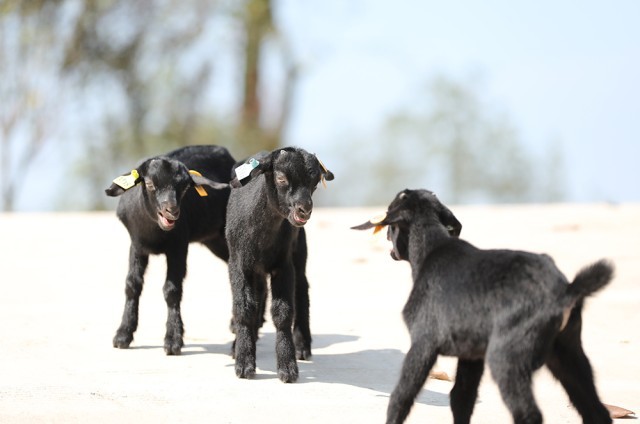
[29, 36]
[453, 144]
[160, 56]
[253, 132]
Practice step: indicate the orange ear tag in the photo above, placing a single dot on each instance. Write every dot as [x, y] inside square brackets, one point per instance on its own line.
[376, 220]
[201, 191]
[378, 229]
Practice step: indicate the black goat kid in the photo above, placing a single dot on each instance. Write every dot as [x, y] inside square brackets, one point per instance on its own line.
[264, 227]
[513, 310]
[163, 214]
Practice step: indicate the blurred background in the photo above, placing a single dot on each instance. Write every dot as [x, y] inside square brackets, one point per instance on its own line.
[481, 102]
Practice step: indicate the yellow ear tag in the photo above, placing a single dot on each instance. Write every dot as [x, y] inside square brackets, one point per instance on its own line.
[377, 220]
[324, 168]
[201, 191]
[127, 181]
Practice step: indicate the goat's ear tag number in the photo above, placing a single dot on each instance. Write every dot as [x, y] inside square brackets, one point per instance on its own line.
[245, 169]
[127, 181]
[201, 191]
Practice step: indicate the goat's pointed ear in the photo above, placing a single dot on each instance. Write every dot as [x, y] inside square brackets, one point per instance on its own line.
[378, 222]
[123, 183]
[450, 222]
[391, 216]
[199, 181]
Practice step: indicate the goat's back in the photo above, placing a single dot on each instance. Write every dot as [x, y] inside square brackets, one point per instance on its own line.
[465, 294]
[201, 217]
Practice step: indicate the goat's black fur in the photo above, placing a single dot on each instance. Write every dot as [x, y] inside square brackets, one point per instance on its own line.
[163, 213]
[513, 310]
[265, 216]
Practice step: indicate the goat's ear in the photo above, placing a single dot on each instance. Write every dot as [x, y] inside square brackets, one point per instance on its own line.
[249, 170]
[392, 216]
[123, 183]
[199, 181]
[450, 222]
[378, 222]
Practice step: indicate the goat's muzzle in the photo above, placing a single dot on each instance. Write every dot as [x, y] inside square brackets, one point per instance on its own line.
[167, 217]
[300, 214]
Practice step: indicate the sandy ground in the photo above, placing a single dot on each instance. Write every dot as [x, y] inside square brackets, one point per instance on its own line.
[63, 293]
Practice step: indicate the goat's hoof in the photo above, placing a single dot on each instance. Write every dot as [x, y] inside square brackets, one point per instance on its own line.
[173, 348]
[247, 371]
[122, 341]
[288, 374]
[303, 354]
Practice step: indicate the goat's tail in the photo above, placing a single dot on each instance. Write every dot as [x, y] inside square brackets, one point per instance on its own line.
[589, 280]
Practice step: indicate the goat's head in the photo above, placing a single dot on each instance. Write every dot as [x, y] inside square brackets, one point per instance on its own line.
[164, 183]
[413, 209]
[291, 175]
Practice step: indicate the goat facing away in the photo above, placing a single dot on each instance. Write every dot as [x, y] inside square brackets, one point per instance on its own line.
[164, 207]
[267, 209]
[513, 310]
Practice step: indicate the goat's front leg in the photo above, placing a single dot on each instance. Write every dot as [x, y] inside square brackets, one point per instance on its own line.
[245, 313]
[282, 288]
[133, 288]
[301, 330]
[176, 271]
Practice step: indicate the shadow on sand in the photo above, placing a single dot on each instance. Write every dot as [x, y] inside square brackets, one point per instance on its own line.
[372, 369]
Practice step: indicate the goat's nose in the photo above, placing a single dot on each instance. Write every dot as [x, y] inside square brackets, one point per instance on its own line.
[304, 210]
[172, 210]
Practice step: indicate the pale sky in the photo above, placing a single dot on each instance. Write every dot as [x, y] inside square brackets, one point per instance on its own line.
[563, 72]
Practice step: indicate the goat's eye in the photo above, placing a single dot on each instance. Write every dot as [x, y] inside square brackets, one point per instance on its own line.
[150, 186]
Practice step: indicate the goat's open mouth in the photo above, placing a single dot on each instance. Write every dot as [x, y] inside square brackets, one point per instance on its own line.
[166, 223]
[298, 220]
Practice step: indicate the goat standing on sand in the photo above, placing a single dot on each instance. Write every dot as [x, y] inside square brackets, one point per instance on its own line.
[264, 218]
[163, 215]
[515, 310]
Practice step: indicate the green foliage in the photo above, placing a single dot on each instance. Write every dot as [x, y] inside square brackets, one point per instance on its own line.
[452, 144]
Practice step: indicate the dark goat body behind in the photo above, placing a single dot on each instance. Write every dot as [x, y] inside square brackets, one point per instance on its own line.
[163, 213]
[265, 216]
[513, 310]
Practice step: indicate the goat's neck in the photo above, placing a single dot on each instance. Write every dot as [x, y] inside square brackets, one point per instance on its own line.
[266, 206]
[422, 241]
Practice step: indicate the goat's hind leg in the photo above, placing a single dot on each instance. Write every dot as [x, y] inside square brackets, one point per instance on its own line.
[571, 367]
[465, 390]
[512, 372]
[133, 288]
[415, 369]
[176, 271]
